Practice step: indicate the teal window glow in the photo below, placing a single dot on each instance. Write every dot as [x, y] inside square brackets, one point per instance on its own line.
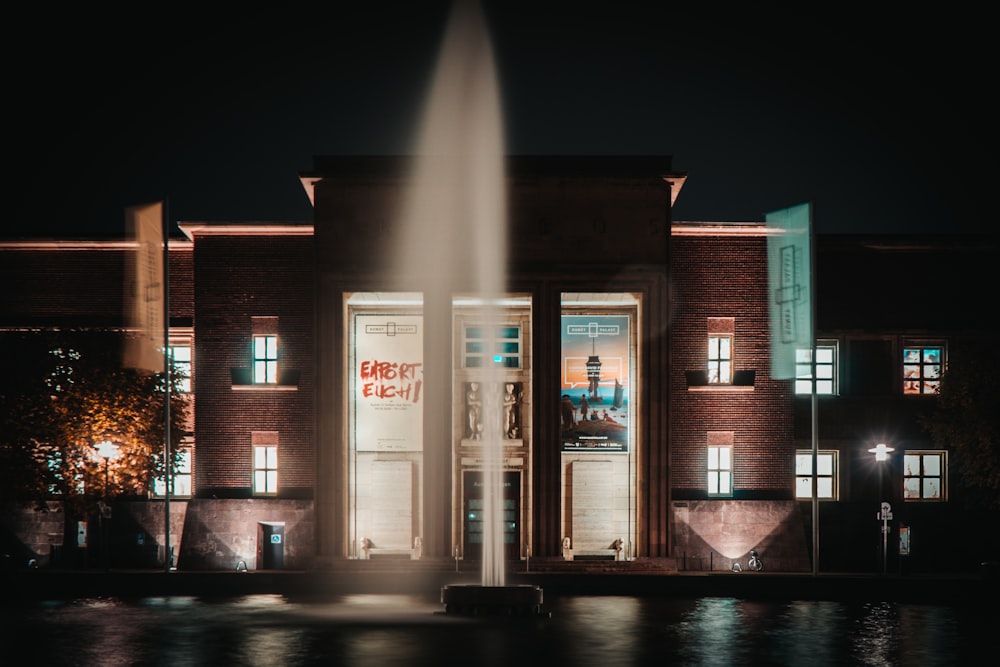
[265, 359]
[501, 344]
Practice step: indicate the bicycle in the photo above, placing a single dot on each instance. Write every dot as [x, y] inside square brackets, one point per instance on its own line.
[754, 563]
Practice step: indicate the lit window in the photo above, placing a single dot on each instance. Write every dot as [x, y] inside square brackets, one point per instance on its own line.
[826, 474]
[720, 471]
[826, 369]
[922, 367]
[501, 347]
[180, 356]
[265, 469]
[181, 479]
[720, 359]
[265, 359]
[924, 475]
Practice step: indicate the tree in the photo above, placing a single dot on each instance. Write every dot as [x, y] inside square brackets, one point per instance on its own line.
[966, 420]
[65, 393]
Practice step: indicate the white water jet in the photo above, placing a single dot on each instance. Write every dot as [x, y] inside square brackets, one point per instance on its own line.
[453, 237]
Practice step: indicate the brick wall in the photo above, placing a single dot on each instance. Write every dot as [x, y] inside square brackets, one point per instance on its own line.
[80, 284]
[723, 277]
[238, 278]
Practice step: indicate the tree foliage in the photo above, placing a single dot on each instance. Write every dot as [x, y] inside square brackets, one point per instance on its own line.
[65, 393]
[966, 420]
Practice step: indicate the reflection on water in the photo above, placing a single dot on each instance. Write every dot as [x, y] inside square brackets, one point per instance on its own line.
[383, 630]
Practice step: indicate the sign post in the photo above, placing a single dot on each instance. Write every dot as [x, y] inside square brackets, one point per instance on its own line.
[885, 516]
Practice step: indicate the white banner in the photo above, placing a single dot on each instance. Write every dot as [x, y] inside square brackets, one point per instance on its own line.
[144, 290]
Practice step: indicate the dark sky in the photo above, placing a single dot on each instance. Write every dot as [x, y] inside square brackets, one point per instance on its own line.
[879, 119]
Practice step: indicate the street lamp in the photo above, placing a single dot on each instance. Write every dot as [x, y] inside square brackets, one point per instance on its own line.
[881, 452]
[106, 450]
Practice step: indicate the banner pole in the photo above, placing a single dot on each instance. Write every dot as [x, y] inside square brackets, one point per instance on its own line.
[813, 401]
[168, 557]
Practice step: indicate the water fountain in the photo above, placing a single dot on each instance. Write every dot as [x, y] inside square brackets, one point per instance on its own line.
[453, 237]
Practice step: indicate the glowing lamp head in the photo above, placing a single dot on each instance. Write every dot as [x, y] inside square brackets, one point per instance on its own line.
[107, 450]
[881, 451]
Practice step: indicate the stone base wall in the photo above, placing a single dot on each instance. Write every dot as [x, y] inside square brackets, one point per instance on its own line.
[204, 535]
[30, 533]
[713, 534]
[223, 534]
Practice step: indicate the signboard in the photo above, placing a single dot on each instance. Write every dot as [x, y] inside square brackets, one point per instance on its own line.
[594, 400]
[388, 382]
[81, 533]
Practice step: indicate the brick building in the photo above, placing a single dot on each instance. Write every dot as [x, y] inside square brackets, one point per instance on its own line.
[344, 407]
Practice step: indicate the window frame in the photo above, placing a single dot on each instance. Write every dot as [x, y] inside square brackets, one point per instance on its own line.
[719, 471]
[719, 359]
[510, 358]
[804, 476]
[265, 470]
[265, 359]
[921, 372]
[804, 381]
[183, 477]
[185, 365]
[915, 483]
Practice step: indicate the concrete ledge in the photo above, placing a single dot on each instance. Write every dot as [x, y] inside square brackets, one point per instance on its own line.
[596, 554]
[398, 554]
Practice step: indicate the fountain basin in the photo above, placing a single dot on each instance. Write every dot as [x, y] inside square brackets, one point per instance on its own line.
[479, 600]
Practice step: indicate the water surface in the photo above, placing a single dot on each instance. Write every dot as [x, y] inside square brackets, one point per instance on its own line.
[272, 630]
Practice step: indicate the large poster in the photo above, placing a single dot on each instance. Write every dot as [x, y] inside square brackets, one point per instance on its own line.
[387, 383]
[594, 401]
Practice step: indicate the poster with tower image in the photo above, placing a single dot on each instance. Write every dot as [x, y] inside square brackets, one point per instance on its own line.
[595, 376]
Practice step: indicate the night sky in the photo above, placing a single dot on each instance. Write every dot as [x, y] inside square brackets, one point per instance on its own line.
[878, 118]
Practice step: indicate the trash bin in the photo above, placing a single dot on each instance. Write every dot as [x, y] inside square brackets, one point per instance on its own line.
[270, 545]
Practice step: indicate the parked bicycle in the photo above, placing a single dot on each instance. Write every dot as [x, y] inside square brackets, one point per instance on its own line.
[754, 563]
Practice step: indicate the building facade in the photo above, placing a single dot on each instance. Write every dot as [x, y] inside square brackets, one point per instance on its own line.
[344, 410]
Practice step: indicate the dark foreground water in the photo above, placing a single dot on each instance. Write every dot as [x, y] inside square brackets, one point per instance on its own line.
[378, 630]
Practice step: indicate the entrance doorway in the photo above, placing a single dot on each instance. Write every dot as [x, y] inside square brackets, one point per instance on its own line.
[472, 515]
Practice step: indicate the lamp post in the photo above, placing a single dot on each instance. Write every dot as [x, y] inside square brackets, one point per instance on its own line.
[106, 450]
[881, 452]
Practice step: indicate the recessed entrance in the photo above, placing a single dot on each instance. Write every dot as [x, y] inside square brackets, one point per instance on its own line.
[472, 515]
